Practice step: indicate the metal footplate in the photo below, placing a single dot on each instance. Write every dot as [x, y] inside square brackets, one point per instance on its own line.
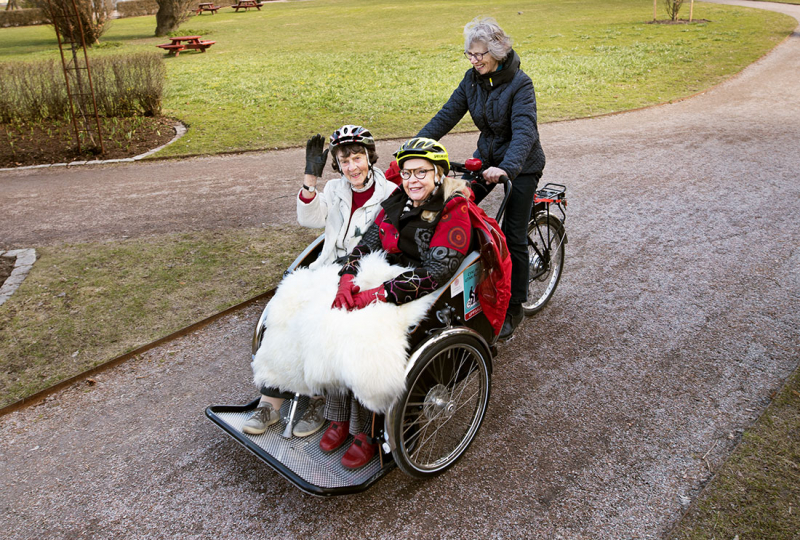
[299, 460]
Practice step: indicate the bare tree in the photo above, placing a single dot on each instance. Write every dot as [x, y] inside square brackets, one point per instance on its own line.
[94, 18]
[673, 7]
[170, 15]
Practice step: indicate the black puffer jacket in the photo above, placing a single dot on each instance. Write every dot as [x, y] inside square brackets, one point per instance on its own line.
[503, 106]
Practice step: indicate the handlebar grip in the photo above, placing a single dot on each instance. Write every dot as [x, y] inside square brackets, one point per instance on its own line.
[506, 181]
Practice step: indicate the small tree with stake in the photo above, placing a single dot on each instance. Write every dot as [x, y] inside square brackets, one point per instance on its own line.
[673, 7]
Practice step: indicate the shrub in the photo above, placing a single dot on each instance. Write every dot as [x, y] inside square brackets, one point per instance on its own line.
[32, 91]
[22, 17]
[125, 85]
[137, 8]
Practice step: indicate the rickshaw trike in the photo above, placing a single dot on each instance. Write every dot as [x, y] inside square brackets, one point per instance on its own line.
[430, 426]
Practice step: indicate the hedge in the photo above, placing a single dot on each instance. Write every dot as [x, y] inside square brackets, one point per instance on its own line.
[137, 8]
[22, 17]
[125, 85]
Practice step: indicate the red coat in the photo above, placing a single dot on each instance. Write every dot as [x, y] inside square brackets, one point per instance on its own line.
[436, 248]
[494, 291]
[433, 239]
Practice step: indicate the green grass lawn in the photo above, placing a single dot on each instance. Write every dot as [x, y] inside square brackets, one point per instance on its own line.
[278, 75]
[84, 304]
[756, 493]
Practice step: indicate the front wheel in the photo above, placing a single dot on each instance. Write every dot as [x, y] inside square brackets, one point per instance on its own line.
[546, 260]
[443, 407]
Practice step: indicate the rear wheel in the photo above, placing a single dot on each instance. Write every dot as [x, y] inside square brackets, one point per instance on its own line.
[443, 407]
[546, 260]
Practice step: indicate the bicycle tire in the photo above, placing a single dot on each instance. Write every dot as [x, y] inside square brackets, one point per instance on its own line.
[546, 261]
[435, 423]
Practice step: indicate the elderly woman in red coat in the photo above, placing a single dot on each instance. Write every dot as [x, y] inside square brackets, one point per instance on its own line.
[424, 226]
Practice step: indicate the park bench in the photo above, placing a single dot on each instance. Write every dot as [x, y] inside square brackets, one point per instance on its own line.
[182, 43]
[207, 7]
[200, 45]
[172, 48]
[246, 5]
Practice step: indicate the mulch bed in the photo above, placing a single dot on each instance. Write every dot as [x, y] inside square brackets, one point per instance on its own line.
[54, 141]
[679, 21]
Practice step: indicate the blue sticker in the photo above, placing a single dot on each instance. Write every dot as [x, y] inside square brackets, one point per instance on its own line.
[471, 304]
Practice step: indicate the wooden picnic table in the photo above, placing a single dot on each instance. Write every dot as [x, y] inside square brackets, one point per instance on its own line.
[246, 5]
[181, 43]
[207, 6]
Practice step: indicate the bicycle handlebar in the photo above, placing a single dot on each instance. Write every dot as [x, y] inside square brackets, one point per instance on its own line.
[475, 167]
[506, 181]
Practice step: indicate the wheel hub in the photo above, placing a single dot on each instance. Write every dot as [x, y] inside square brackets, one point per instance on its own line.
[538, 267]
[438, 403]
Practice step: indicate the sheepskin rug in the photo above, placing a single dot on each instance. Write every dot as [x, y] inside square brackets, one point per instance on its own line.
[310, 348]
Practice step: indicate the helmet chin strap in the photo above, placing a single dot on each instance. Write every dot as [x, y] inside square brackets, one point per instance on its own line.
[367, 183]
[437, 183]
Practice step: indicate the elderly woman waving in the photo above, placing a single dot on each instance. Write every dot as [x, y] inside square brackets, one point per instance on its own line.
[350, 203]
[346, 208]
[501, 100]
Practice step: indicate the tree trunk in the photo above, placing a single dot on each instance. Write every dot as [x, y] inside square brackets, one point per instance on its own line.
[12, 4]
[170, 15]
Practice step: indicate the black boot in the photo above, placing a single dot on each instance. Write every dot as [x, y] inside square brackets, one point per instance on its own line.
[514, 316]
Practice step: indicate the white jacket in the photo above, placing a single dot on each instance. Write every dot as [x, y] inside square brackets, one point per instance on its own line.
[331, 209]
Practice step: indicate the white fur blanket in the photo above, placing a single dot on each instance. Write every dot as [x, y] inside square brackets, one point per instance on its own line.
[310, 348]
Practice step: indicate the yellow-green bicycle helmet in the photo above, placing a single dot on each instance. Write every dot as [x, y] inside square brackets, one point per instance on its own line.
[420, 147]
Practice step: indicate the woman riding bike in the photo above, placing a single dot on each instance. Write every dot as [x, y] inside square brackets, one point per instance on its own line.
[501, 101]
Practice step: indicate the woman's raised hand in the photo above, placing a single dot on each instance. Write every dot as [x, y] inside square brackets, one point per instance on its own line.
[315, 155]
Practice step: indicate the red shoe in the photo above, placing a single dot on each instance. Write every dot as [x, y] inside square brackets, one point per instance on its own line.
[360, 452]
[334, 436]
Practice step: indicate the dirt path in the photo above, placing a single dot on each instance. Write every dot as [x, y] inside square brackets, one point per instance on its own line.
[676, 320]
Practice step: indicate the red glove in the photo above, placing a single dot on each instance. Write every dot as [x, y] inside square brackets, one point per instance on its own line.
[370, 296]
[344, 297]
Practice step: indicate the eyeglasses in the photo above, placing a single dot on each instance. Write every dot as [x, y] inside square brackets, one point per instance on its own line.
[420, 174]
[477, 56]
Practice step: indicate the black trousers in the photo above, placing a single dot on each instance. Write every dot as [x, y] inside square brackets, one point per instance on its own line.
[515, 227]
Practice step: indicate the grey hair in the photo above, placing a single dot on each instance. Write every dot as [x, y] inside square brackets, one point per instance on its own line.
[487, 31]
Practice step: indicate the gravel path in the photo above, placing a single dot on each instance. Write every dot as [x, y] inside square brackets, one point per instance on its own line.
[676, 320]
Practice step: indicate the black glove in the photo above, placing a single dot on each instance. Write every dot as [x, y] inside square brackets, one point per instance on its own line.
[315, 156]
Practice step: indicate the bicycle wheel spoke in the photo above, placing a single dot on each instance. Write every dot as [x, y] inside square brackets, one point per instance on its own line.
[438, 429]
[456, 371]
[443, 407]
[546, 255]
[439, 426]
